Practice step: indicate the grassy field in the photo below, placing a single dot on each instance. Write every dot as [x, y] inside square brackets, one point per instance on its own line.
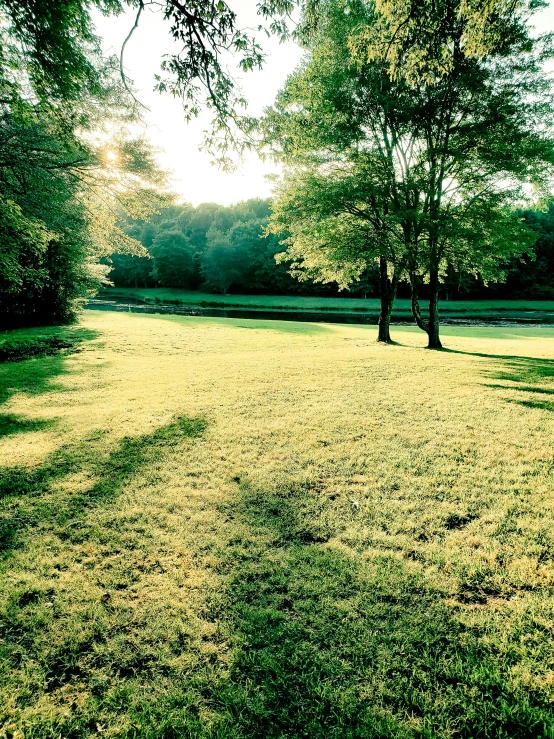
[287, 302]
[233, 529]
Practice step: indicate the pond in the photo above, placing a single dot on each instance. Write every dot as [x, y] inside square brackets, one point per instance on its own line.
[492, 318]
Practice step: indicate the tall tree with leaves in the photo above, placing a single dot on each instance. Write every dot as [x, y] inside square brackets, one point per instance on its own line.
[428, 156]
[484, 130]
[346, 200]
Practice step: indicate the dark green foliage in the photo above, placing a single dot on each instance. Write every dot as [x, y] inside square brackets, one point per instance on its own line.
[55, 38]
[43, 227]
[57, 188]
[529, 276]
[202, 233]
[174, 264]
[130, 271]
[213, 246]
[533, 276]
[24, 242]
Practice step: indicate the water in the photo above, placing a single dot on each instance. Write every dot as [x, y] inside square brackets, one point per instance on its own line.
[502, 318]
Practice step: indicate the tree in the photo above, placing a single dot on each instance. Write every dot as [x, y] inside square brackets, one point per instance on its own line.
[24, 245]
[130, 271]
[347, 199]
[70, 187]
[174, 263]
[484, 129]
[338, 230]
[533, 277]
[424, 147]
[223, 263]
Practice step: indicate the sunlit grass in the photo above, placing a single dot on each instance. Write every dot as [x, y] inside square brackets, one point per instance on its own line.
[224, 528]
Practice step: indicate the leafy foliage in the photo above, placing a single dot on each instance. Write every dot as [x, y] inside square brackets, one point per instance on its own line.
[64, 182]
[64, 185]
[425, 152]
[55, 45]
[220, 248]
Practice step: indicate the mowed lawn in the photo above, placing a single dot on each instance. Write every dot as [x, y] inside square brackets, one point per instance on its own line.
[235, 529]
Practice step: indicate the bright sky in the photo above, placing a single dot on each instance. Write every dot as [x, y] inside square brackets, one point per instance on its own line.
[195, 179]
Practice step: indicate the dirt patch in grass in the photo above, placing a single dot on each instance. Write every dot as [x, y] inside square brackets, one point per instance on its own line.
[41, 346]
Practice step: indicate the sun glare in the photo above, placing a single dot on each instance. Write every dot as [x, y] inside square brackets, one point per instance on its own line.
[110, 156]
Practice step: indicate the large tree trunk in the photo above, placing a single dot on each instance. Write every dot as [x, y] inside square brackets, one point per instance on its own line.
[430, 326]
[387, 289]
[433, 327]
[416, 310]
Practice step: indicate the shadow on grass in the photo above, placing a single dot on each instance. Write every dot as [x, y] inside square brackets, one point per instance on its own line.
[328, 646]
[29, 362]
[324, 644]
[11, 424]
[32, 498]
[525, 375]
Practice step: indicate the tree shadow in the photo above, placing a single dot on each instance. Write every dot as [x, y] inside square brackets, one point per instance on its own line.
[30, 360]
[329, 647]
[31, 498]
[11, 424]
[524, 374]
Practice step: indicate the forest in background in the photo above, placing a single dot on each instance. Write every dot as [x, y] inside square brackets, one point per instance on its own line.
[226, 249]
[216, 248]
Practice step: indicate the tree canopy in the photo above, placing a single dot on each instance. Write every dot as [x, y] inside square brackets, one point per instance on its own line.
[426, 151]
[54, 44]
[65, 180]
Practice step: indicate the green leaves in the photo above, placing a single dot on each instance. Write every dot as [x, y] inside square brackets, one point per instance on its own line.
[23, 244]
[409, 133]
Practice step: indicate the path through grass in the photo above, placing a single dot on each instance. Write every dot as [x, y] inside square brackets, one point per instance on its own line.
[231, 529]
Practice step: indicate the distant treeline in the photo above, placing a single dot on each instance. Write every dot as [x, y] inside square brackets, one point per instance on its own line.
[215, 248]
[529, 277]
[221, 249]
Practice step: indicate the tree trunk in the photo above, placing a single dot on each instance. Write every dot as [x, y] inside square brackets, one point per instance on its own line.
[384, 321]
[430, 326]
[433, 326]
[416, 310]
[387, 289]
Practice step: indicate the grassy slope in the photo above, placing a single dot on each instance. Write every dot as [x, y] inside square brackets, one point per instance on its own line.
[260, 529]
[287, 302]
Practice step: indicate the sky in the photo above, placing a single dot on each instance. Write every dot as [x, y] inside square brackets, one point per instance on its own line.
[195, 179]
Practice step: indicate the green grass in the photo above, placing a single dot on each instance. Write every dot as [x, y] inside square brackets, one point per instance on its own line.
[292, 303]
[221, 529]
